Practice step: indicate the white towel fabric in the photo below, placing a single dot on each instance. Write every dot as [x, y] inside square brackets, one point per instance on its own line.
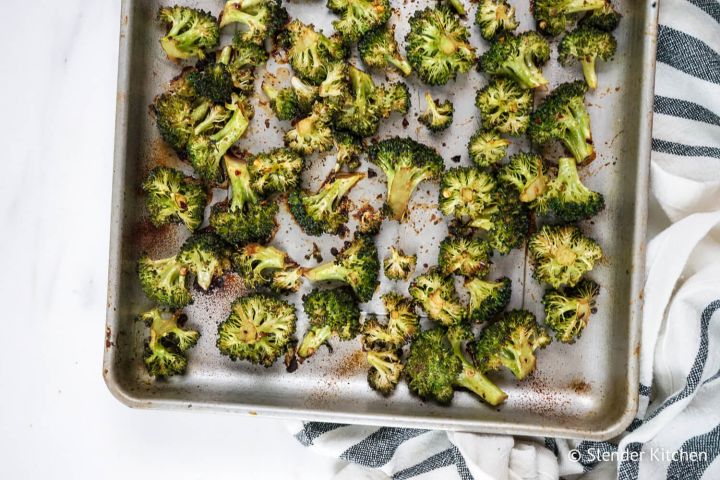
[676, 434]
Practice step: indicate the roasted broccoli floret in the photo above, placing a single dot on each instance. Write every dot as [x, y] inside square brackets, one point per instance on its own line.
[465, 192]
[369, 220]
[494, 17]
[456, 5]
[398, 266]
[436, 294]
[511, 341]
[243, 218]
[587, 44]
[168, 342]
[311, 53]
[505, 219]
[357, 264]
[392, 97]
[464, 256]
[568, 198]
[275, 171]
[177, 113]
[554, 16]
[406, 164]
[205, 255]
[359, 113]
[487, 148]
[348, 149]
[567, 311]
[438, 45]
[212, 80]
[436, 365]
[205, 151]
[437, 115]
[256, 264]
[605, 18]
[563, 117]
[164, 281]
[402, 325]
[259, 19]
[379, 49]
[305, 93]
[385, 371]
[505, 107]
[562, 255]
[375, 335]
[336, 85]
[190, 33]
[173, 198]
[526, 174]
[327, 210]
[241, 58]
[288, 280]
[330, 312]
[284, 102]
[258, 329]
[487, 298]
[357, 17]
[518, 57]
[312, 133]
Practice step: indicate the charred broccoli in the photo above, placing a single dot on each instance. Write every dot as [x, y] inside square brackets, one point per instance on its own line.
[336, 85]
[348, 150]
[191, 32]
[568, 311]
[168, 342]
[204, 254]
[275, 171]
[525, 173]
[385, 370]
[605, 18]
[436, 294]
[257, 264]
[518, 57]
[487, 148]
[586, 44]
[284, 102]
[312, 133]
[259, 19]
[554, 16]
[369, 220]
[393, 97]
[164, 281]
[505, 219]
[464, 256]
[399, 266]
[568, 198]
[465, 192]
[359, 16]
[437, 115]
[311, 53]
[359, 113]
[505, 107]
[562, 255]
[173, 198]
[487, 298]
[402, 325]
[494, 17]
[379, 49]
[305, 93]
[179, 112]
[258, 329]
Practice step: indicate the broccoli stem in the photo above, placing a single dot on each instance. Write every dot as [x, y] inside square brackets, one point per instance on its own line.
[472, 379]
[225, 55]
[404, 182]
[458, 6]
[588, 67]
[269, 91]
[216, 114]
[527, 73]
[401, 65]
[201, 111]
[327, 272]
[232, 130]
[578, 138]
[312, 341]
[576, 6]
[519, 358]
[241, 190]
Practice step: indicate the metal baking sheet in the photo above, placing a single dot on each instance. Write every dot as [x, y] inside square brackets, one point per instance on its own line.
[585, 390]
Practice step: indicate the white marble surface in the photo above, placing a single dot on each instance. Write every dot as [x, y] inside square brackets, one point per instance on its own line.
[57, 419]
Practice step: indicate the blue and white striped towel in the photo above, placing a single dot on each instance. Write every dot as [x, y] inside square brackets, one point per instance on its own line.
[676, 434]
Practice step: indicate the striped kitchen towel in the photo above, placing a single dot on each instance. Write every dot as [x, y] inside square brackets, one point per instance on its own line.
[676, 433]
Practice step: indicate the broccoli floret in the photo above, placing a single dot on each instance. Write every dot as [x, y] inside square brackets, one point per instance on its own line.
[568, 198]
[562, 255]
[369, 219]
[164, 350]
[487, 298]
[205, 152]
[357, 264]
[375, 335]
[525, 173]
[173, 198]
[284, 102]
[567, 311]
[586, 44]
[385, 371]
[357, 17]
[438, 45]
[275, 171]
[464, 256]
[505, 107]
[494, 17]
[398, 266]
[288, 280]
[406, 164]
[487, 148]
[437, 115]
[348, 150]
[436, 365]
[465, 192]
[259, 19]
[554, 16]
[519, 58]
[436, 294]
[327, 210]
[243, 218]
[379, 49]
[605, 18]
[241, 59]
[256, 264]
[505, 219]
[359, 113]
[164, 281]
[190, 32]
[305, 93]
[177, 113]
[311, 53]
[563, 117]
[312, 133]
[213, 81]
[205, 256]
[403, 323]
[393, 97]
[330, 312]
[336, 84]
[259, 329]
[511, 341]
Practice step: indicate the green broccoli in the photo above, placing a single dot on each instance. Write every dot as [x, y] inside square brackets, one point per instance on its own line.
[505, 107]
[164, 281]
[562, 255]
[259, 19]
[487, 298]
[190, 33]
[586, 44]
[330, 312]
[605, 18]
[212, 80]
[438, 45]
[241, 59]
[525, 173]
[403, 324]
[168, 342]
[494, 17]
[259, 329]
[456, 5]
[336, 85]
[487, 148]
[568, 198]
[465, 192]
[398, 266]
[173, 198]
[356, 264]
[205, 256]
[288, 280]
[562, 116]
[178, 112]
[327, 210]
[306, 94]
[554, 16]
[359, 113]
[518, 57]
[348, 150]
[385, 371]
[436, 365]
[435, 293]
[437, 115]
[275, 171]
[284, 102]
[464, 256]
[311, 53]
[369, 219]
[406, 164]
[568, 311]
[256, 264]
[312, 133]
[357, 17]
[393, 97]
[379, 49]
